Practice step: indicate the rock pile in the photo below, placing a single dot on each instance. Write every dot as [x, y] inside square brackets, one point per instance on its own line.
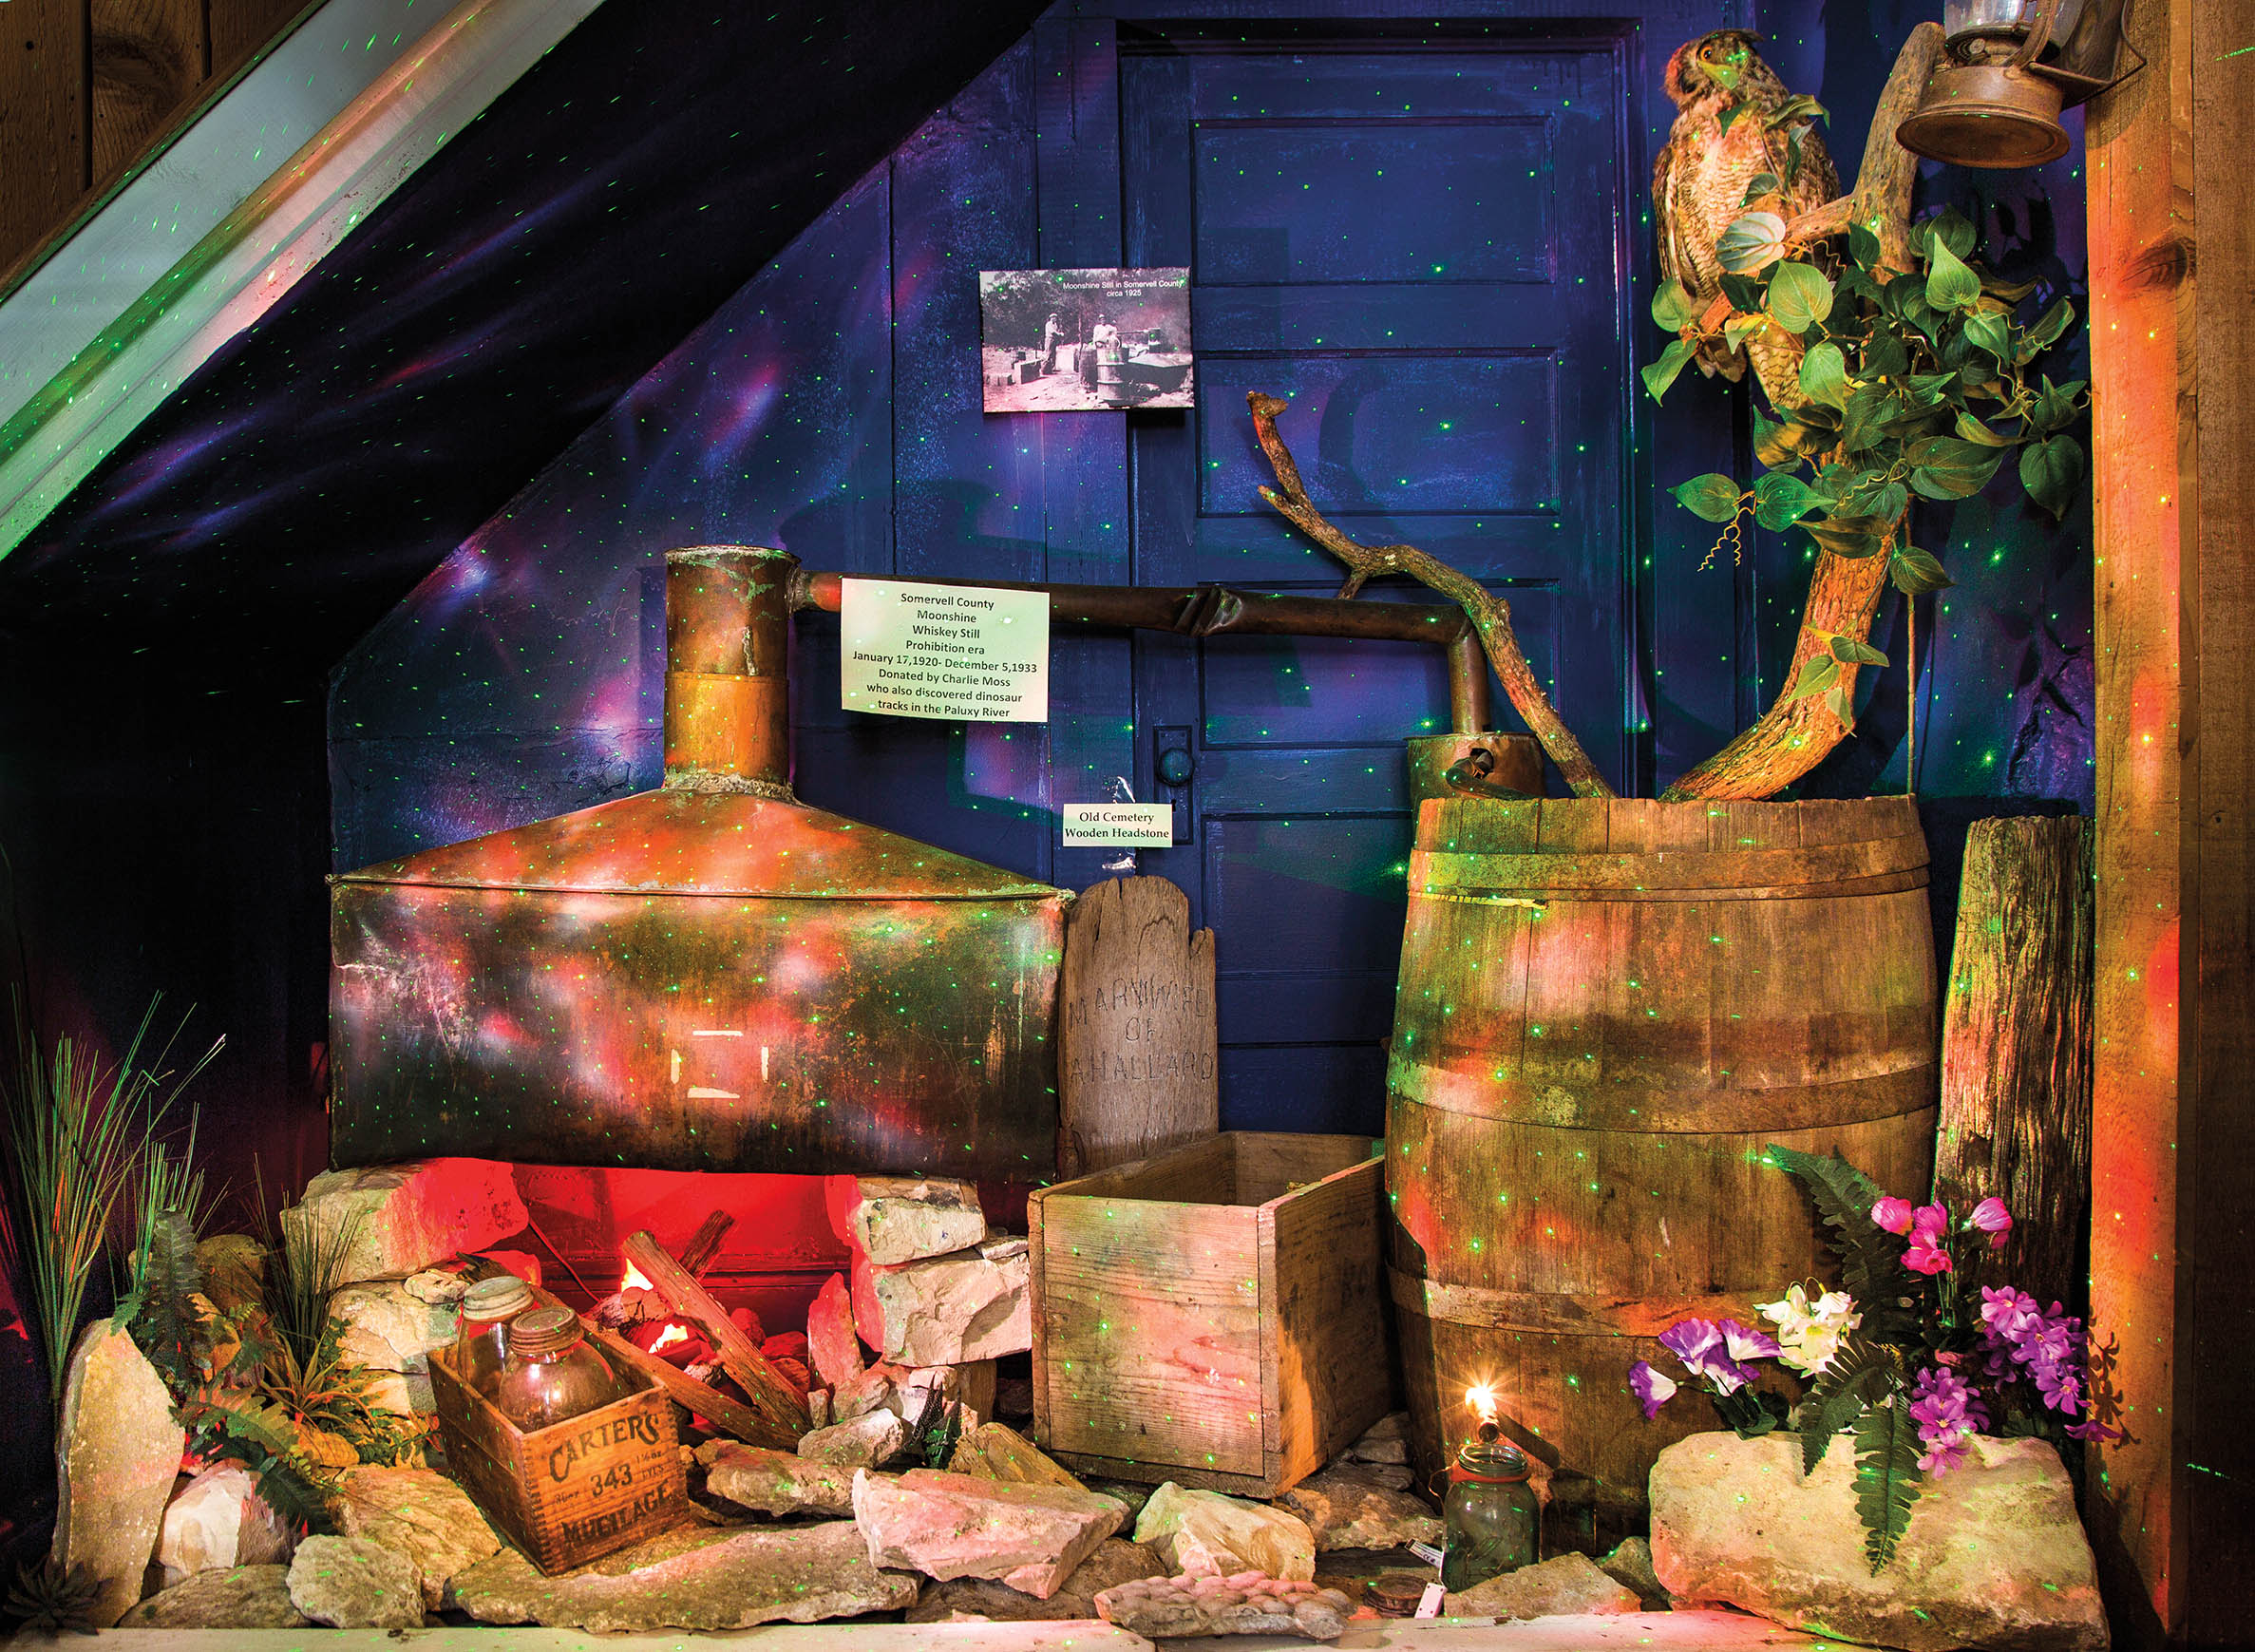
[1245, 1603]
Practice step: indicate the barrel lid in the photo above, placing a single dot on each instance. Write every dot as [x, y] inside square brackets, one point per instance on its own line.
[679, 841]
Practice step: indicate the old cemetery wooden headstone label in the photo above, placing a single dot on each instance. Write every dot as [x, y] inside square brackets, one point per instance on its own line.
[1137, 1063]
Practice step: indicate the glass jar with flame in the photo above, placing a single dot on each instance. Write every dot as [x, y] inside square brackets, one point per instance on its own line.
[1491, 1510]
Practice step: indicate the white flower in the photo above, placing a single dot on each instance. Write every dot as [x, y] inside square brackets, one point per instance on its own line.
[1809, 1332]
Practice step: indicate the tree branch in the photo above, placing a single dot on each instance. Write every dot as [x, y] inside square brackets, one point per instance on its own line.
[1489, 614]
[1881, 200]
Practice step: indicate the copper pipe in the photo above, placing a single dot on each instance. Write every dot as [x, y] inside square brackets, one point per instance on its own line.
[727, 634]
[1217, 611]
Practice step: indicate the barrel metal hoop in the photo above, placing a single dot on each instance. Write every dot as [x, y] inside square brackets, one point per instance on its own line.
[1667, 874]
[1554, 1313]
[1643, 1110]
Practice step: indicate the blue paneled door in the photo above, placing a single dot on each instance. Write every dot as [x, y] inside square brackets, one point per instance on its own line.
[1420, 243]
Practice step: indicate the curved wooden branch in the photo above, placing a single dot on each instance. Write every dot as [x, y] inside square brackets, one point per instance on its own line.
[1489, 614]
[1881, 200]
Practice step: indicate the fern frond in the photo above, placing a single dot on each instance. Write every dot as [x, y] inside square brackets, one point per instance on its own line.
[1888, 1478]
[1862, 1371]
[1871, 1267]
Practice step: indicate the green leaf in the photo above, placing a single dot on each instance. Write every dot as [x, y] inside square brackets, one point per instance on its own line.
[1864, 247]
[1798, 107]
[1796, 142]
[1972, 429]
[1954, 230]
[2054, 407]
[1887, 1478]
[1824, 376]
[1781, 499]
[1914, 571]
[2049, 327]
[1868, 406]
[1889, 501]
[1781, 446]
[1711, 497]
[1673, 308]
[1862, 1371]
[1847, 651]
[1729, 118]
[1659, 374]
[1751, 242]
[2049, 470]
[1870, 1268]
[1761, 183]
[1989, 331]
[1853, 283]
[1855, 537]
[1819, 672]
[1840, 707]
[1737, 330]
[1883, 356]
[1949, 284]
[1744, 292]
[1799, 297]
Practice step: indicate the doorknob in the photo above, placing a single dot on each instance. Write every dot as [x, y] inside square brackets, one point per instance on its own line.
[1171, 767]
[1176, 766]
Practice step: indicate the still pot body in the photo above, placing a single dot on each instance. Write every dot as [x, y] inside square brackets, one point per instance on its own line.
[1608, 1008]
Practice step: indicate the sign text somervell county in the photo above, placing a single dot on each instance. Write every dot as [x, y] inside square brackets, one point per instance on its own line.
[960, 653]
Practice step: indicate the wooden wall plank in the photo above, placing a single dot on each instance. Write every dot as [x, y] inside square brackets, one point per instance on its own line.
[43, 118]
[2172, 349]
[148, 59]
[241, 28]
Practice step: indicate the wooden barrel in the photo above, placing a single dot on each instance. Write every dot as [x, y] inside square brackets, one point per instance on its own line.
[1606, 1008]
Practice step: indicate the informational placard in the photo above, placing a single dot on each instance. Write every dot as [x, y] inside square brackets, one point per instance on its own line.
[1119, 825]
[966, 653]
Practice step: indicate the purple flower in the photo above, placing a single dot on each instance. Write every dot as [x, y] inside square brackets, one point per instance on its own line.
[2045, 1345]
[1893, 1214]
[1706, 1349]
[1993, 1218]
[1691, 1339]
[1742, 1343]
[1948, 1415]
[1653, 1389]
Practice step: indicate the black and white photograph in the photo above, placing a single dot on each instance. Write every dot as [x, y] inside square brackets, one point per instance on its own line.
[1062, 341]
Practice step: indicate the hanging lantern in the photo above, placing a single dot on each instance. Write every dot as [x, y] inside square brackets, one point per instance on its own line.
[2008, 68]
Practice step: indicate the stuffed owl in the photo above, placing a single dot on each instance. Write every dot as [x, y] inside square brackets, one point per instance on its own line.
[1698, 186]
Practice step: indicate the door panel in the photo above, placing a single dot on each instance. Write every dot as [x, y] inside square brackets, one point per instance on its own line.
[1420, 246]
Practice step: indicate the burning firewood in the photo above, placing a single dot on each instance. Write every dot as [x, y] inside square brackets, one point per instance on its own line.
[771, 1393]
[729, 1415]
[637, 1300]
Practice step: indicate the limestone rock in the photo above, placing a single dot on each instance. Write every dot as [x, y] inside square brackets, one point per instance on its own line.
[1208, 1533]
[897, 1219]
[1994, 1556]
[1245, 1603]
[992, 1452]
[953, 1525]
[1630, 1566]
[1385, 1441]
[437, 1285]
[242, 1597]
[355, 1583]
[834, 1353]
[1116, 1560]
[116, 1455]
[948, 1310]
[867, 1441]
[233, 1269]
[693, 1579]
[818, 1409]
[1348, 1506]
[866, 1393]
[402, 1392]
[420, 1514]
[388, 1329]
[410, 1215]
[775, 1482]
[1130, 1494]
[1566, 1583]
[219, 1521]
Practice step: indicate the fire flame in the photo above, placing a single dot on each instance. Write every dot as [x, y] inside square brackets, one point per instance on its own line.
[667, 1336]
[634, 1282]
[1480, 1396]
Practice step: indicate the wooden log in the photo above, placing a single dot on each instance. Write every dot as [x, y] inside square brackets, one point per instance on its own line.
[2015, 1049]
[707, 1402]
[1138, 1059]
[629, 1306]
[770, 1394]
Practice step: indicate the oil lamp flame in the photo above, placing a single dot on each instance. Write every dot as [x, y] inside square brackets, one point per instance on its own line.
[1480, 1396]
[666, 1337]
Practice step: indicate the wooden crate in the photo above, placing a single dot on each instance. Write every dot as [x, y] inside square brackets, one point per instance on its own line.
[1212, 1315]
[574, 1492]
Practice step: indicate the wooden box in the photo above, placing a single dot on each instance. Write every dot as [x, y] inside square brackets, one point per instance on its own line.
[574, 1492]
[1212, 1315]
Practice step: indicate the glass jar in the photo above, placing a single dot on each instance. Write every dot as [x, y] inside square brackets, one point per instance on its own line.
[482, 1342]
[552, 1374]
[1491, 1511]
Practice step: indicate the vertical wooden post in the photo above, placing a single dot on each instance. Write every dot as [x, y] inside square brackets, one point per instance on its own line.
[2173, 256]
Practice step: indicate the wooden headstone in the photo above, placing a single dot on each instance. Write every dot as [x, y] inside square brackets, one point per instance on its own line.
[2016, 1048]
[1137, 1065]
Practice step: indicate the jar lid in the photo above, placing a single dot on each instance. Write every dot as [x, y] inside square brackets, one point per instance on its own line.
[543, 1331]
[1494, 1460]
[496, 1299]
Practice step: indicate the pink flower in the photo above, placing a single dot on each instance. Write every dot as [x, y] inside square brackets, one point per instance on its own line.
[1893, 1214]
[1653, 1389]
[1928, 1222]
[1925, 1258]
[1993, 1218]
